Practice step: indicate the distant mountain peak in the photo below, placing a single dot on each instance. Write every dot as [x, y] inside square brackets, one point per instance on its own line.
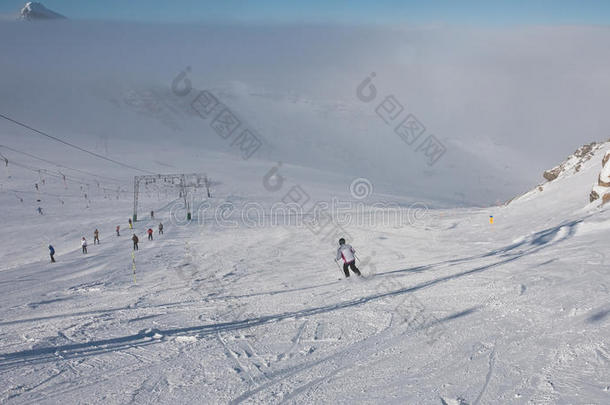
[34, 10]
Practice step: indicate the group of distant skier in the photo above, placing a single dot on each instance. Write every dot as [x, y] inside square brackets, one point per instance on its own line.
[149, 232]
[345, 251]
[96, 238]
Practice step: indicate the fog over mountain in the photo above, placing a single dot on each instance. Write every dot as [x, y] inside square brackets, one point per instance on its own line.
[491, 96]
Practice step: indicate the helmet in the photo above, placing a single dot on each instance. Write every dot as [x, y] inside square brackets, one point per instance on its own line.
[342, 241]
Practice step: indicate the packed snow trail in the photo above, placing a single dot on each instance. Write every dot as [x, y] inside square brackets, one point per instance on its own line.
[452, 309]
[206, 323]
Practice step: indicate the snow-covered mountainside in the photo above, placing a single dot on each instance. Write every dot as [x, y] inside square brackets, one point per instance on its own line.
[574, 162]
[234, 307]
[589, 157]
[37, 11]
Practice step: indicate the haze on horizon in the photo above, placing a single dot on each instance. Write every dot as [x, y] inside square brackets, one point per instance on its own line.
[508, 100]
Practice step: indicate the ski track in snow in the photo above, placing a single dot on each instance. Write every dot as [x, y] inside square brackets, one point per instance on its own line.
[348, 356]
[456, 311]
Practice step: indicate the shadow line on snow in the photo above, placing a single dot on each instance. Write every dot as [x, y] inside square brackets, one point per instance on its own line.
[171, 304]
[275, 292]
[598, 316]
[45, 354]
[539, 241]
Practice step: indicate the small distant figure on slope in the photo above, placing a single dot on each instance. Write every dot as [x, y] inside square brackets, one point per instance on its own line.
[130, 224]
[135, 240]
[83, 244]
[39, 209]
[52, 253]
[347, 253]
[152, 214]
[96, 237]
[160, 228]
[150, 234]
[118, 230]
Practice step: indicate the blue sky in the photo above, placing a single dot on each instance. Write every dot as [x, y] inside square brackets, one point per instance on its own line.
[480, 12]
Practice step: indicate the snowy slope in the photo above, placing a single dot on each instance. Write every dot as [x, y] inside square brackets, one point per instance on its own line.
[452, 308]
[243, 304]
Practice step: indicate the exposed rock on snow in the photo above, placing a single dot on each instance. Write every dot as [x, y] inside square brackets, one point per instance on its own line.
[573, 162]
[602, 188]
[37, 11]
[552, 174]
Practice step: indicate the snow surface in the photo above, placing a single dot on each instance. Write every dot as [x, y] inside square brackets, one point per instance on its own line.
[451, 309]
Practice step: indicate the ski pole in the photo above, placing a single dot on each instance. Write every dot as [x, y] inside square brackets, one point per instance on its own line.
[339, 267]
[356, 257]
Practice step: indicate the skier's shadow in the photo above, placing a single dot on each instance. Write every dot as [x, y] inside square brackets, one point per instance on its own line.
[538, 241]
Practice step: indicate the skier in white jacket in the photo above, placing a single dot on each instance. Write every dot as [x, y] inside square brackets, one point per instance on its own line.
[346, 252]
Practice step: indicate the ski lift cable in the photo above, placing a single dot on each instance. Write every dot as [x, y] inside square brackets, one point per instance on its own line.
[49, 173]
[40, 192]
[71, 179]
[57, 164]
[97, 155]
[60, 175]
